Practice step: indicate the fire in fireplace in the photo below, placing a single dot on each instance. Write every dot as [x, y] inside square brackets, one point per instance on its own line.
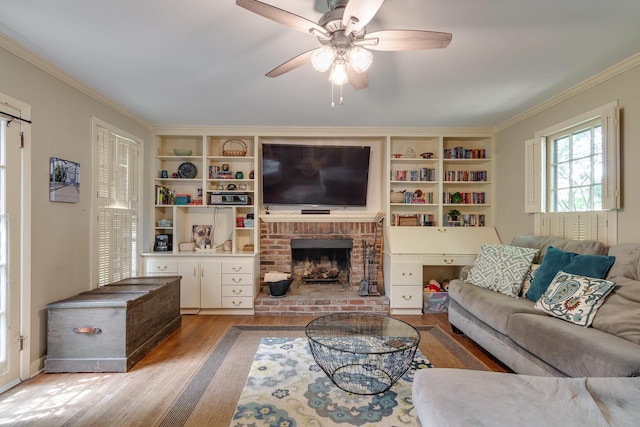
[321, 260]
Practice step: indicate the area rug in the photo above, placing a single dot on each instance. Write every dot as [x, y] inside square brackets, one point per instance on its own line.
[212, 393]
[287, 388]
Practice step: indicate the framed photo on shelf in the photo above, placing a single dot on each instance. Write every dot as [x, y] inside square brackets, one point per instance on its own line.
[202, 235]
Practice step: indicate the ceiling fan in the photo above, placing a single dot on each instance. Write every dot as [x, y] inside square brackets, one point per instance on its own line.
[345, 42]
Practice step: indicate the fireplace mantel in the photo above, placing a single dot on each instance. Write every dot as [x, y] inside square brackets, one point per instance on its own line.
[337, 216]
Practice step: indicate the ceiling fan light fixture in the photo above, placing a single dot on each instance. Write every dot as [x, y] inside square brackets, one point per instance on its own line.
[323, 57]
[360, 58]
[338, 74]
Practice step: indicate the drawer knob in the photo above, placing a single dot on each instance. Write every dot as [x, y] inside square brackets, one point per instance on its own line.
[237, 269]
[87, 330]
[236, 279]
[448, 261]
[237, 292]
[161, 267]
[236, 303]
[408, 298]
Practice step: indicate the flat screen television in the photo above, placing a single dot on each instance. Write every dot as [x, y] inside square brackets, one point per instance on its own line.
[315, 175]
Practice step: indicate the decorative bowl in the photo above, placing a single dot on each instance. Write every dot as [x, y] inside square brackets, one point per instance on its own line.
[182, 152]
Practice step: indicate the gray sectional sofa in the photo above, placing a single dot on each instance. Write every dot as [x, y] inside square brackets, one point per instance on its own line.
[532, 342]
[565, 374]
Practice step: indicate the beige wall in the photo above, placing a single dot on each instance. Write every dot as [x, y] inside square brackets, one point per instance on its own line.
[60, 244]
[625, 87]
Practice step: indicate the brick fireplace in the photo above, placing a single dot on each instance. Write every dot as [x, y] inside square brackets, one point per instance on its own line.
[275, 244]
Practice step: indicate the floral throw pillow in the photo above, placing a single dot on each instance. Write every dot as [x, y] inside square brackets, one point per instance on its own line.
[528, 278]
[574, 298]
[501, 268]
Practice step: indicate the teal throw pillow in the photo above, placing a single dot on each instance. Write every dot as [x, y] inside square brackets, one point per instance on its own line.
[595, 266]
[574, 298]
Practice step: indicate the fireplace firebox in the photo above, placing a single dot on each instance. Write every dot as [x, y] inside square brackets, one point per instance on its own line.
[318, 261]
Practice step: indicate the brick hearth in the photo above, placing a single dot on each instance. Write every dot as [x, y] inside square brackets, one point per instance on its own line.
[319, 300]
[275, 255]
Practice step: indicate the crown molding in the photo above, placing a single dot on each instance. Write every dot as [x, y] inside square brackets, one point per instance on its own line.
[20, 51]
[621, 67]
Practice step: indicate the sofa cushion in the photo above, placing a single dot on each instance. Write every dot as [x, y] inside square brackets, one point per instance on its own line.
[627, 260]
[592, 247]
[620, 314]
[489, 307]
[461, 397]
[574, 298]
[501, 268]
[572, 349]
[555, 260]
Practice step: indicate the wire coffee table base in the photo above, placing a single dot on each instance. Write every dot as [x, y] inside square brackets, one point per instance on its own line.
[362, 353]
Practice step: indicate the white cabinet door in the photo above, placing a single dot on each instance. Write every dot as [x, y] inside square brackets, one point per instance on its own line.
[190, 284]
[210, 284]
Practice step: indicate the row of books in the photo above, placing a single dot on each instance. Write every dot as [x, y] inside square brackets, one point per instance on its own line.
[216, 172]
[465, 176]
[164, 196]
[412, 198]
[422, 174]
[465, 153]
[466, 220]
[467, 198]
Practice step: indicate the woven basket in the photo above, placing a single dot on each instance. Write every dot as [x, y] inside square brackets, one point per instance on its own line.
[233, 143]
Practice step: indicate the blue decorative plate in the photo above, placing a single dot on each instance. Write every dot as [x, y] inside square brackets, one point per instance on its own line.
[187, 170]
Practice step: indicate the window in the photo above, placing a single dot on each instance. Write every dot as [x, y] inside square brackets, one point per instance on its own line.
[581, 170]
[117, 182]
[572, 177]
[575, 169]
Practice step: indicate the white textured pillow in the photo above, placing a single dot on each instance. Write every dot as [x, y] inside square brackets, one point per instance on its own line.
[574, 298]
[501, 268]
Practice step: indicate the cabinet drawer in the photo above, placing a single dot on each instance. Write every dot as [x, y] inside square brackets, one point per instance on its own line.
[406, 297]
[446, 259]
[161, 267]
[237, 291]
[406, 274]
[237, 302]
[237, 279]
[235, 267]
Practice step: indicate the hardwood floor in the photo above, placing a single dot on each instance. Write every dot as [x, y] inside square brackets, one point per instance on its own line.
[141, 396]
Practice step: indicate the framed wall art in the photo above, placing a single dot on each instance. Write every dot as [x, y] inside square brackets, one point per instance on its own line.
[64, 180]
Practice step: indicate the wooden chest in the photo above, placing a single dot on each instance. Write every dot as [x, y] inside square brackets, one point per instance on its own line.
[111, 328]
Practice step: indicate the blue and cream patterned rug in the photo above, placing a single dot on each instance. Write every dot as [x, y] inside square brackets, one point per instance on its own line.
[286, 388]
[210, 396]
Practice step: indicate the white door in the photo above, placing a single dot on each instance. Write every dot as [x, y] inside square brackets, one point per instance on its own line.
[10, 277]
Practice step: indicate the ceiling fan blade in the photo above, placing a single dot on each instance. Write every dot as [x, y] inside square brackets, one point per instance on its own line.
[407, 40]
[358, 13]
[283, 17]
[292, 64]
[358, 80]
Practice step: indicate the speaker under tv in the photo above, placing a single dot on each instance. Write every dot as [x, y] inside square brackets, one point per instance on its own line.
[315, 175]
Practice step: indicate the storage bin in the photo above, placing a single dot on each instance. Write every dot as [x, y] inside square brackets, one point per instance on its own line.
[435, 302]
[183, 199]
[249, 223]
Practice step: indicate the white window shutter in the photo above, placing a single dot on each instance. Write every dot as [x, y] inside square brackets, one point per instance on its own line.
[534, 176]
[611, 151]
[117, 198]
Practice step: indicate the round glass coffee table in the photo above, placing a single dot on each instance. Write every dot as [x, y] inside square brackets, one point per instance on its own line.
[362, 353]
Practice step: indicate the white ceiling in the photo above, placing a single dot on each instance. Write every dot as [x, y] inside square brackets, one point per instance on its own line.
[202, 62]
